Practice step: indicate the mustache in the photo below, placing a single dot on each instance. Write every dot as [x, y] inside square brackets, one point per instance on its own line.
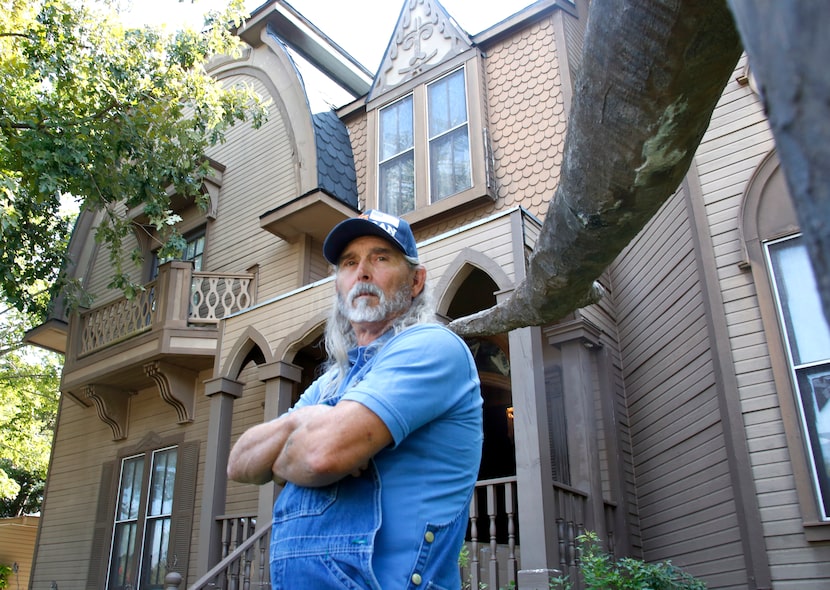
[363, 289]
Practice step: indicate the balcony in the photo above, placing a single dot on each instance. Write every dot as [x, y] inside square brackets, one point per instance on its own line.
[164, 335]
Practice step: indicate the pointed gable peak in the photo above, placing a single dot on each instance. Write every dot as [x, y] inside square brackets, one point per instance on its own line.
[424, 37]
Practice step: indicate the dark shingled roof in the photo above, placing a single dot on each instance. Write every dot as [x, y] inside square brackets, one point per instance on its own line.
[335, 161]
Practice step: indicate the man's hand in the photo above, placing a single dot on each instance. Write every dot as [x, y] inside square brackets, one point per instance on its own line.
[328, 443]
[311, 446]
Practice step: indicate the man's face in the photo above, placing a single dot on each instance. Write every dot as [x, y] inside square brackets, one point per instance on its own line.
[374, 281]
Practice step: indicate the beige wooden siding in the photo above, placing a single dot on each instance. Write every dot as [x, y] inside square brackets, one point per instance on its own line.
[17, 546]
[261, 174]
[247, 412]
[102, 270]
[681, 470]
[737, 141]
[82, 444]
[319, 268]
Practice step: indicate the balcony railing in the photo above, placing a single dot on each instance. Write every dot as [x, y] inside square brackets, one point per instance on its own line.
[215, 296]
[119, 320]
[179, 297]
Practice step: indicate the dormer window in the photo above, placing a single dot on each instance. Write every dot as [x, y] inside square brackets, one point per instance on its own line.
[430, 145]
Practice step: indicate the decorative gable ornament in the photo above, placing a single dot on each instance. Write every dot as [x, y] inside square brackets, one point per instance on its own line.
[424, 37]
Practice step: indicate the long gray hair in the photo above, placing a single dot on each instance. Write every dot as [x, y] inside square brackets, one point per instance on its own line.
[341, 337]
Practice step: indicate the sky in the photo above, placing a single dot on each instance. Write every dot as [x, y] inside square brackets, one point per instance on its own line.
[346, 23]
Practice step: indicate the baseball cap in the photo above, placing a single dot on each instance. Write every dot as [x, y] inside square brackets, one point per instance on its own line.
[371, 223]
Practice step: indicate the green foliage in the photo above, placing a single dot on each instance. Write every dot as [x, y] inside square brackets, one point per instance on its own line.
[600, 572]
[29, 393]
[108, 116]
[5, 572]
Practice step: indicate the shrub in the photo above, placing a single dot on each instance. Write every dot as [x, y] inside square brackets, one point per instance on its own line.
[600, 572]
[5, 572]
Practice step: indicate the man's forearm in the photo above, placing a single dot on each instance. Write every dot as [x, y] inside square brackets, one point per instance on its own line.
[252, 458]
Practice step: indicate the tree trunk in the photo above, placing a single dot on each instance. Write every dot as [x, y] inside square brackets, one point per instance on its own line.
[651, 75]
[788, 46]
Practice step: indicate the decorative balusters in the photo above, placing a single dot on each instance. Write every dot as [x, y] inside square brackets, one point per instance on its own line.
[475, 571]
[212, 297]
[491, 513]
[510, 510]
[570, 523]
[215, 296]
[118, 320]
[493, 499]
[242, 544]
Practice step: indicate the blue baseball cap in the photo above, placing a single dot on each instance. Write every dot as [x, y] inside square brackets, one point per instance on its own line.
[371, 223]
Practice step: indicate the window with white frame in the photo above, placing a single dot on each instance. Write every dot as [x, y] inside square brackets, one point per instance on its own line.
[428, 149]
[807, 337]
[449, 136]
[143, 517]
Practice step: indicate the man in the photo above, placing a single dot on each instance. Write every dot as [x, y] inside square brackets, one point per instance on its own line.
[381, 453]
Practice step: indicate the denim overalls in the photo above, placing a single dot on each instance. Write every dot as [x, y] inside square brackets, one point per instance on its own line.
[324, 538]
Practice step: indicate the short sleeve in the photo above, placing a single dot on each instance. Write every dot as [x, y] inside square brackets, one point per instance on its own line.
[420, 374]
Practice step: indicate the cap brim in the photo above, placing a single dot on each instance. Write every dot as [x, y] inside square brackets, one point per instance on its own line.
[351, 229]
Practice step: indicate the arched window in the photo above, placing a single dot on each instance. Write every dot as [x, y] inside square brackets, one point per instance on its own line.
[798, 335]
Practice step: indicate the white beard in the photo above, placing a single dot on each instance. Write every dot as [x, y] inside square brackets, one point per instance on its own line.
[360, 310]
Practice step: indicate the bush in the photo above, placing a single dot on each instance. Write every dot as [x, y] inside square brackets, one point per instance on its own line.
[601, 572]
[5, 572]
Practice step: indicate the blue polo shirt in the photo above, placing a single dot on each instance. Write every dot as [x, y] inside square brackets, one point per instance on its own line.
[423, 385]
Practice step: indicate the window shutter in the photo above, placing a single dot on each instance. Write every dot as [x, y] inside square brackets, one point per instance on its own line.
[96, 578]
[184, 495]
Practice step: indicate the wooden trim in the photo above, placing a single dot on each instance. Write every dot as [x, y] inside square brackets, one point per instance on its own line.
[734, 435]
[753, 237]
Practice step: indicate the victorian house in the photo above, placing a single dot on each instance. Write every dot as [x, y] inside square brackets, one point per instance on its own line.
[682, 418]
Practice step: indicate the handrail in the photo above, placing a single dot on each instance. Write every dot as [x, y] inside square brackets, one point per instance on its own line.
[236, 555]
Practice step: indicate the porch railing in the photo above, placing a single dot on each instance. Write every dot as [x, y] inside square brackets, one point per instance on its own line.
[178, 297]
[571, 506]
[244, 562]
[492, 549]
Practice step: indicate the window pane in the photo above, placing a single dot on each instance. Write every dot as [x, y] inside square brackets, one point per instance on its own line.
[814, 386]
[449, 141]
[155, 553]
[397, 185]
[449, 164]
[396, 129]
[123, 567]
[795, 283]
[161, 489]
[447, 103]
[132, 472]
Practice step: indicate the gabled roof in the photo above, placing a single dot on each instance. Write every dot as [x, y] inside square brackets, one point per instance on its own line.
[424, 37]
[305, 38]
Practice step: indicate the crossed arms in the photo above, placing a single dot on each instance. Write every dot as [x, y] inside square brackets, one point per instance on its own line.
[312, 446]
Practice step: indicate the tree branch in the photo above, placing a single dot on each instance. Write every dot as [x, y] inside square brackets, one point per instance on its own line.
[651, 76]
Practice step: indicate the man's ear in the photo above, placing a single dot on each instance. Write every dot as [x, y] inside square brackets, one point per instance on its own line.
[418, 280]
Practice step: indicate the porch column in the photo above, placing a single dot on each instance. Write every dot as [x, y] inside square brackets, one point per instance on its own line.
[222, 393]
[579, 343]
[537, 524]
[279, 378]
